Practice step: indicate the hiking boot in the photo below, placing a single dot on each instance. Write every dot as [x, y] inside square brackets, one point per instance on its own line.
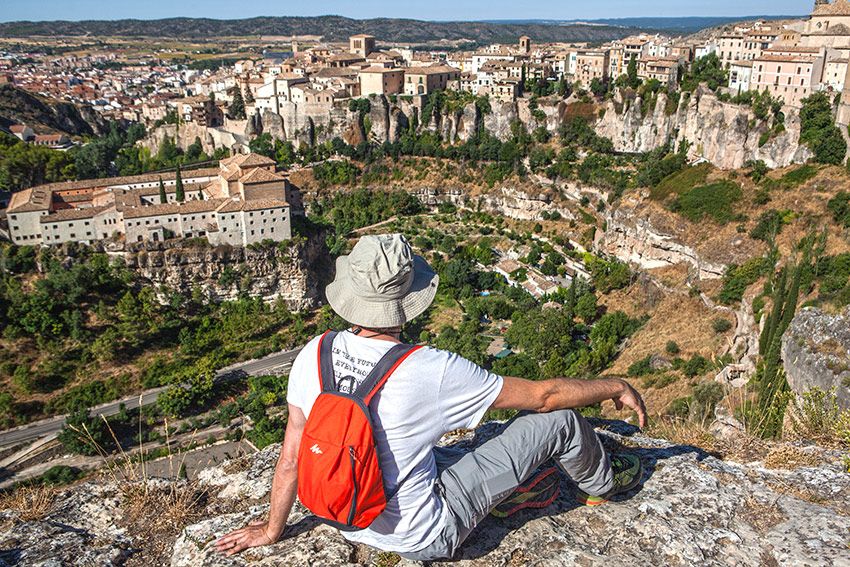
[628, 472]
[537, 492]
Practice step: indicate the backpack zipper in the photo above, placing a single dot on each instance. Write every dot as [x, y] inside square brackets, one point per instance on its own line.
[352, 459]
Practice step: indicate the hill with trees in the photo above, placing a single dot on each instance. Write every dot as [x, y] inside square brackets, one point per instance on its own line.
[331, 28]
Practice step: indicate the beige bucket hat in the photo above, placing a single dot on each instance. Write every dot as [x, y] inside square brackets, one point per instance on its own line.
[381, 284]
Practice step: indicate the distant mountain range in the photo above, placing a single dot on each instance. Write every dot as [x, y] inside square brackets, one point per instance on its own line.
[331, 28]
[677, 25]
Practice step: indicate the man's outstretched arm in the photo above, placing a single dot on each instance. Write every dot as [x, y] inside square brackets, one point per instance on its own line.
[284, 490]
[564, 393]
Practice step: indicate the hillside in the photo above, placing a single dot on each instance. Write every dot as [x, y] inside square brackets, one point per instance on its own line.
[331, 28]
[46, 116]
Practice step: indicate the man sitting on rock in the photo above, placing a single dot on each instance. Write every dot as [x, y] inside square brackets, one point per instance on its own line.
[436, 497]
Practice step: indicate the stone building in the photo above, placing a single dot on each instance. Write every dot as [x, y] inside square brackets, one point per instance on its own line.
[243, 201]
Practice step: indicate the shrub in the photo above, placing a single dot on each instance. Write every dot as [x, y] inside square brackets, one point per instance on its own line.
[672, 347]
[641, 368]
[839, 206]
[706, 395]
[721, 325]
[738, 278]
[714, 201]
[60, 474]
[818, 417]
[697, 365]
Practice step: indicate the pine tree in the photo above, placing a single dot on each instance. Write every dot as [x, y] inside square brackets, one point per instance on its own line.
[178, 183]
[237, 105]
[249, 96]
[162, 197]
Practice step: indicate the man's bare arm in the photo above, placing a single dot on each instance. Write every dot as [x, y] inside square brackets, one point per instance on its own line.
[564, 393]
[284, 490]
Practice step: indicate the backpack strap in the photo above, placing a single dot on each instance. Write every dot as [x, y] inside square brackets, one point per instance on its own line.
[327, 382]
[383, 370]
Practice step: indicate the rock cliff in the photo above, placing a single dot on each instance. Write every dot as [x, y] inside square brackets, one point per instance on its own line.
[691, 508]
[725, 134]
[816, 353]
[45, 115]
[631, 236]
[272, 272]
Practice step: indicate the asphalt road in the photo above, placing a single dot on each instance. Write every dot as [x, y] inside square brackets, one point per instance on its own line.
[277, 362]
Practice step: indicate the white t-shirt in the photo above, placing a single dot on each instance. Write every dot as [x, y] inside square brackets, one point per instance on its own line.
[431, 393]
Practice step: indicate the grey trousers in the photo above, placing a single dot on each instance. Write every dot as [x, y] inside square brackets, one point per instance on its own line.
[473, 483]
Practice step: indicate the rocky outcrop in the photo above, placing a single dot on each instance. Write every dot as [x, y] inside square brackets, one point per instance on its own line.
[632, 238]
[816, 353]
[522, 205]
[691, 509]
[185, 134]
[271, 272]
[44, 115]
[725, 134]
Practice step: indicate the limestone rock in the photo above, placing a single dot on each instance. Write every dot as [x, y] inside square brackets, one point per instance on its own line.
[634, 239]
[692, 509]
[816, 353]
[723, 133]
[224, 272]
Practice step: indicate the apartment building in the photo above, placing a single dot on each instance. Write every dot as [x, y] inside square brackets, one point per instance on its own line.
[425, 80]
[789, 74]
[591, 64]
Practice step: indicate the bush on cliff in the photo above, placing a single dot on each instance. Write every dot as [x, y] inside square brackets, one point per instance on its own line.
[819, 132]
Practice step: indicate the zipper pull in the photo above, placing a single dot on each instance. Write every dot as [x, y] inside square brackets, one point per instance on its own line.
[352, 453]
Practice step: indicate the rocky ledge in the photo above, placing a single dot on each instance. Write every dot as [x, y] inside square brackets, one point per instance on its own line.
[691, 508]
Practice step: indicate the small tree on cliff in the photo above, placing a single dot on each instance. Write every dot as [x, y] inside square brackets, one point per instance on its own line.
[180, 191]
[631, 73]
[162, 197]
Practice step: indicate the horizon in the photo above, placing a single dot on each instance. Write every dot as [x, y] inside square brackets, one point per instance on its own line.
[433, 11]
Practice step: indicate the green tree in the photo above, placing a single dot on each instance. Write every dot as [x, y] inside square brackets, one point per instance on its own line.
[180, 192]
[236, 109]
[819, 132]
[632, 74]
[163, 198]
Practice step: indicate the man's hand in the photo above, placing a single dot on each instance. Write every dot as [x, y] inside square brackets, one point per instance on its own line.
[631, 399]
[254, 534]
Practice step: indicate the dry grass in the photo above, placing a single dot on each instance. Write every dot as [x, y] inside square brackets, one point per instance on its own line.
[741, 448]
[155, 514]
[31, 502]
[790, 457]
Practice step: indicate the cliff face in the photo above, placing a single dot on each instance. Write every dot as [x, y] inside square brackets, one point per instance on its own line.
[816, 353]
[47, 116]
[720, 132]
[224, 272]
[632, 237]
[184, 136]
[691, 508]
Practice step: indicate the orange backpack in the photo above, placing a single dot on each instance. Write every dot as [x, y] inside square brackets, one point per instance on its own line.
[339, 477]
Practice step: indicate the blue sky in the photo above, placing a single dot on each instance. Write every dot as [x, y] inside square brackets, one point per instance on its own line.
[429, 10]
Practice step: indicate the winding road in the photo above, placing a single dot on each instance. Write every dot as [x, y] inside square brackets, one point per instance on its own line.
[271, 364]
